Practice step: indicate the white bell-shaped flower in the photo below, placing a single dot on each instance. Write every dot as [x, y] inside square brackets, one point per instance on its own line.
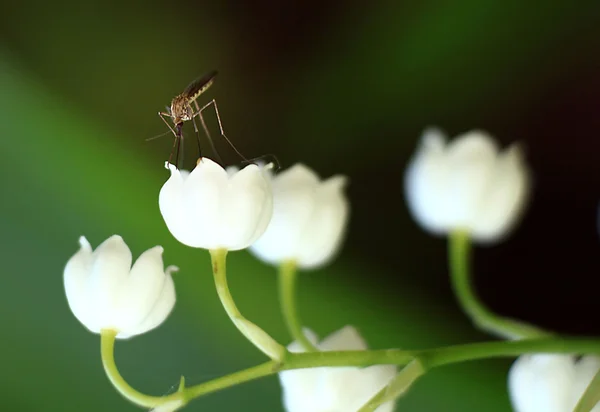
[342, 389]
[309, 219]
[105, 292]
[211, 209]
[467, 184]
[550, 383]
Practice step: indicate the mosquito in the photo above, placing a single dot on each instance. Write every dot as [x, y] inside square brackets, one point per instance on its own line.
[181, 110]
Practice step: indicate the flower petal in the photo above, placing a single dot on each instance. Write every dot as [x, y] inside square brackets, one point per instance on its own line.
[503, 202]
[142, 289]
[162, 307]
[76, 275]
[299, 174]
[541, 383]
[170, 200]
[425, 183]
[299, 386]
[470, 161]
[246, 209]
[347, 338]
[326, 389]
[322, 238]
[293, 206]
[110, 269]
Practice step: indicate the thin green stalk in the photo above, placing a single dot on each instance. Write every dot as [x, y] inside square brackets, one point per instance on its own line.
[427, 359]
[219, 265]
[107, 352]
[590, 397]
[287, 300]
[459, 251]
[505, 349]
[396, 387]
[246, 375]
[251, 331]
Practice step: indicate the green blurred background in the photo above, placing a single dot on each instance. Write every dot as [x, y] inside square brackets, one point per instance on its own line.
[345, 87]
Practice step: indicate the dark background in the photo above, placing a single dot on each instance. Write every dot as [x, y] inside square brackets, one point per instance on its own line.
[345, 87]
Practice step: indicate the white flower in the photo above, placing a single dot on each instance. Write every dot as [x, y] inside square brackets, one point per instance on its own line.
[309, 219]
[550, 383]
[466, 184]
[211, 209]
[343, 389]
[105, 292]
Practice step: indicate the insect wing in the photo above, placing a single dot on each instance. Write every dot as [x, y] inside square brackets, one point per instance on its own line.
[199, 86]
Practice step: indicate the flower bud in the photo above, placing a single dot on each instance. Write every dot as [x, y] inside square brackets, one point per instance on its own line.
[309, 219]
[105, 292]
[211, 209]
[327, 389]
[467, 184]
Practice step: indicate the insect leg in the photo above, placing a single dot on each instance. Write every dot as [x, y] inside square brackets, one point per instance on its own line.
[210, 140]
[214, 103]
[162, 116]
[175, 142]
[197, 138]
[180, 148]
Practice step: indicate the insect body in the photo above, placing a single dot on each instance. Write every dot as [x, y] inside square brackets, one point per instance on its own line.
[184, 107]
[181, 110]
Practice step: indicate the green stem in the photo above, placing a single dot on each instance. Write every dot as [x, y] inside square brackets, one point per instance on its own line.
[219, 264]
[396, 387]
[428, 359]
[255, 372]
[505, 349]
[459, 254]
[252, 332]
[287, 300]
[590, 397]
[107, 351]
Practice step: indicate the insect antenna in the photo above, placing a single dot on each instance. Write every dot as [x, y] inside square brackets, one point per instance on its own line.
[157, 136]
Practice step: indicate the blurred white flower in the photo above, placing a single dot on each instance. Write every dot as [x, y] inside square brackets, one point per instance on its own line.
[105, 292]
[211, 209]
[550, 383]
[309, 219]
[343, 389]
[467, 184]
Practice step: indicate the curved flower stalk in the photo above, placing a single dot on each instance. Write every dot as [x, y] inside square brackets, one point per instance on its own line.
[212, 209]
[467, 185]
[309, 219]
[550, 383]
[334, 389]
[459, 255]
[470, 190]
[106, 293]
[221, 210]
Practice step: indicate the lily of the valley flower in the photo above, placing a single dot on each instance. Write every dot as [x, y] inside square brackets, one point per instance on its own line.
[105, 292]
[550, 383]
[326, 389]
[467, 184]
[211, 209]
[309, 219]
